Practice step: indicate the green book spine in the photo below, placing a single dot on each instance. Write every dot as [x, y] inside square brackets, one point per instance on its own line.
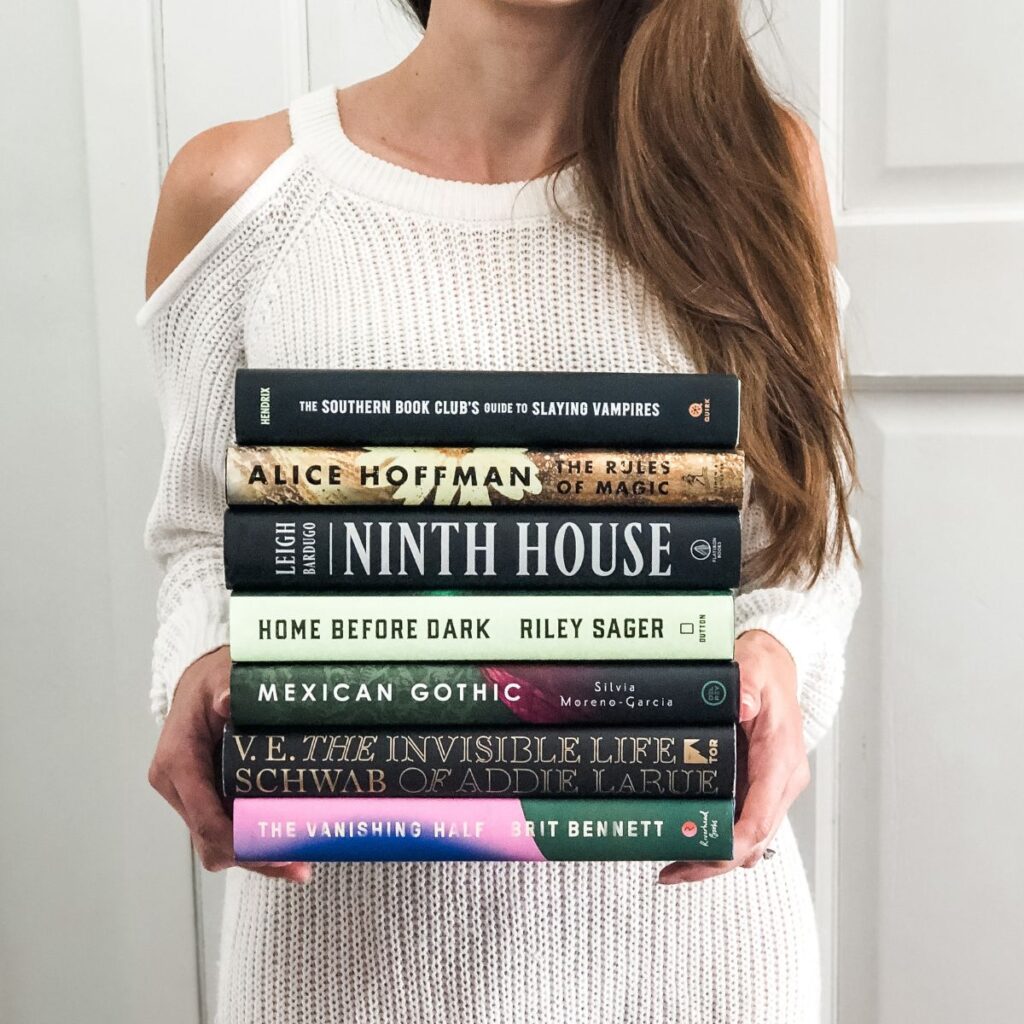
[353, 694]
[481, 627]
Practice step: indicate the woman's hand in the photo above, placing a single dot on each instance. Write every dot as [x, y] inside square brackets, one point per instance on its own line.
[775, 771]
[183, 771]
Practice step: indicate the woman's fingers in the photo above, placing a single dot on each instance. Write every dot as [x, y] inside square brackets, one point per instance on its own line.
[292, 871]
[694, 871]
[211, 833]
[750, 694]
[775, 759]
[774, 770]
[753, 832]
[160, 780]
[221, 706]
[774, 781]
[794, 787]
[205, 817]
[183, 772]
[182, 778]
[210, 827]
[762, 813]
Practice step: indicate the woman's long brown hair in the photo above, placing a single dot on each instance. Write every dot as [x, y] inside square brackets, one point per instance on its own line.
[699, 177]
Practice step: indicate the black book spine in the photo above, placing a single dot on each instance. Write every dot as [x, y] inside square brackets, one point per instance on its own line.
[479, 408]
[667, 762]
[345, 549]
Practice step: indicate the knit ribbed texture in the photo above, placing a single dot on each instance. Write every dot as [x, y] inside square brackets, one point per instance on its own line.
[521, 944]
[335, 258]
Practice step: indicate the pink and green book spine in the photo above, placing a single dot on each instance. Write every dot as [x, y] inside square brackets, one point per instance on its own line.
[431, 829]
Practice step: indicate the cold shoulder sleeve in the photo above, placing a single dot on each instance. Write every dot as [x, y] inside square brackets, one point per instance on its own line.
[196, 343]
[812, 623]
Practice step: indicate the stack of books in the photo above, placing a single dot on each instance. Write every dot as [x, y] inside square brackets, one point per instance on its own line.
[482, 616]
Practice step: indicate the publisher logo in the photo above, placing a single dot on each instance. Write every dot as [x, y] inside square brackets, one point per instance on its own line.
[692, 754]
[713, 693]
[689, 829]
[700, 549]
[696, 409]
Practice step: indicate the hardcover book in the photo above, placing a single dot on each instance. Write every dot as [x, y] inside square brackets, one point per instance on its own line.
[619, 761]
[482, 476]
[481, 627]
[396, 829]
[342, 549]
[276, 696]
[407, 407]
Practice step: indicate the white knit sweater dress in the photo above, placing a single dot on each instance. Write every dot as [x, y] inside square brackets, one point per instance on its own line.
[336, 258]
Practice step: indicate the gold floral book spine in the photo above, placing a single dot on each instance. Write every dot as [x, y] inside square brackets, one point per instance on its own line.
[482, 476]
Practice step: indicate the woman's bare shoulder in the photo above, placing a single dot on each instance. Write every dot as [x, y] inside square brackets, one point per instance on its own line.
[204, 181]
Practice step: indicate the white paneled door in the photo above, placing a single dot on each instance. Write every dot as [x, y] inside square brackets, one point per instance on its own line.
[931, 169]
[912, 827]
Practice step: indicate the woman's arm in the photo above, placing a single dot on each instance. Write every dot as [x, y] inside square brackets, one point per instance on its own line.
[790, 649]
[196, 339]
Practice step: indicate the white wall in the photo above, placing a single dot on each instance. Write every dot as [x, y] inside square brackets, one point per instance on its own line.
[95, 880]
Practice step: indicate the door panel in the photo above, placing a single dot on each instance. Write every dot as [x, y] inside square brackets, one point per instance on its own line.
[930, 102]
[929, 902]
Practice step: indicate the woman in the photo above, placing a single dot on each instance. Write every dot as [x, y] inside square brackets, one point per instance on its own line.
[417, 220]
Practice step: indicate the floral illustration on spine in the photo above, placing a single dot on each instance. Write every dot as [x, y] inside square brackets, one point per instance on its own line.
[466, 477]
